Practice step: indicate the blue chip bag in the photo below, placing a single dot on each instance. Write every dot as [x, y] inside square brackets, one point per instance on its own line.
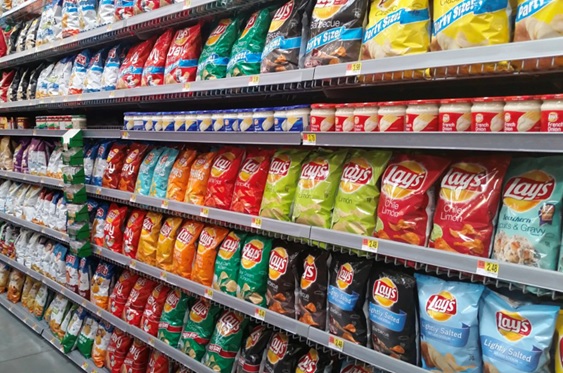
[84, 276]
[449, 328]
[78, 72]
[159, 183]
[97, 230]
[111, 68]
[90, 154]
[101, 163]
[93, 80]
[515, 336]
[72, 264]
[144, 178]
[92, 205]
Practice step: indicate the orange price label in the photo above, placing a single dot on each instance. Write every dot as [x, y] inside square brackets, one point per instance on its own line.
[208, 293]
[259, 313]
[256, 223]
[336, 343]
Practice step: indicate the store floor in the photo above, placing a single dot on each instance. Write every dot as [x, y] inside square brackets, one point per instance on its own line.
[24, 351]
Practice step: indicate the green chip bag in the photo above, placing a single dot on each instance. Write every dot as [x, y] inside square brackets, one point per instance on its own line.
[227, 263]
[73, 330]
[279, 194]
[316, 190]
[198, 329]
[86, 337]
[217, 50]
[253, 274]
[246, 55]
[355, 207]
[226, 340]
[172, 318]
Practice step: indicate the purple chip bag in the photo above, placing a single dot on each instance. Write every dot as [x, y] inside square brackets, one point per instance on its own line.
[19, 153]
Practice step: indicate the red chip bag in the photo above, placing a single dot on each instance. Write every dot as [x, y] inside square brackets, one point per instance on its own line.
[117, 350]
[153, 309]
[153, 71]
[183, 55]
[143, 6]
[137, 358]
[222, 178]
[251, 181]
[113, 228]
[132, 232]
[467, 205]
[158, 363]
[132, 66]
[130, 169]
[404, 213]
[116, 158]
[5, 82]
[137, 300]
[121, 292]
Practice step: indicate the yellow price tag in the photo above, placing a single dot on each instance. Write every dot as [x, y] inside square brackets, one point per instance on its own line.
[256, 223]
[98, 190]
[97, 250]
[133, 198]
[187, 4]
[370, 244]
[204, 212]
[487, 268]
[133, 264]
[336, 343]
[259, 313]
[208, 294]
[124, 135]
[112, 94]
[309, 139]
[84, 365]
[163, 275]
[354, 68]
[109, 28]
[34, 132]
[164, 204]
[187, 87]
[254, 80]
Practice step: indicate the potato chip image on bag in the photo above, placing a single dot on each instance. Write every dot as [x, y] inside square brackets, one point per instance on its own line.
[185, 248]
[197, 182]
[227, 263]
[148, 243]
[406, 205]
[449, 326]
[221, 182]
[313, 287]
[283, 276]
[216, 51]
[199, 328]
[166, 240]
[101, 343]
[172, 319]
[253, 274]
[180, 174]
[101, 283]
[252, 350]
[117, 350]
[204, 263]
[281, 184]
[225, 342]
[317, 187]
[355, 206]
[86, 337]
[515, 336]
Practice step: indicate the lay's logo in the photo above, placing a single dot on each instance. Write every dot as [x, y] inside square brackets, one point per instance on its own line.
[278, 263]
[205, 239]
[148, 224]
[252, 254]
[254, 337]
[325, 9]
[402, 179]
[199, 311]
[442, 306]
[219, 30]
[356, 174]
[278, 348]
[282, 15]
[512, 325]
[463, 182]
[166, 229]
[308, 363]
[526, 191]
[222, 164]
[317, 171]
[185, 236]
[385, 292]
[345, 276]
[309, 272]
[355, 369]
[229, 324]
[149, 158]
[279, 168]
[249, 168]
[229, 246]
[249, 25]
[132, 156]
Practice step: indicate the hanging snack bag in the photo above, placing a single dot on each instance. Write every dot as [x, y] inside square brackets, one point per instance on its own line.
[72, 263]
[101, 283]
[74, 326]
[98, 225]
[86, 337]
[132, 233]
[317, 187]
[153, 309]
[392, 318]
[15, 286]
[217, 50]
[336, 32]
[227, 263]
[253, 274]
[449, 327]
[161, 174]
[56, 312]
[142, 6]
[124, 9]
[252, 350]
[407, 198]
[4, 277]
[106, 10]
[137, 358]
[282, 279]
[131, 166]
[148, 243]
[120, 292]
[90, 154]
[137, 300]
[179, 175]
[115, 161]
[158, 363]
[199, 328]
[153, 70]
[314, 361]
[146, 171]
[112, 66]
[101, 163]
[166, 240]
[221, 181]
[40, 301]
[172, 319]
[199, 175]
[132, 67]
[467, 205]
[185, 248]
[251, 181]
[209, 241]
[282, 354]
[355, 207]
[113, 228]
[84, 277]
[313, 287]
[529, 225]
[101, 343]
[71, 19]
[247, 50]
[88, 19]
[181, 60]
[226, 340]
[93, 79]
[78, 73]
[119, 344]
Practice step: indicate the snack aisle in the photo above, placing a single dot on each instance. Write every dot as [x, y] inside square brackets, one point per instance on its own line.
[267, 186]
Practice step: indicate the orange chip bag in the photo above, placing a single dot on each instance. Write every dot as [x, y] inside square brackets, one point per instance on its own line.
[131, 166]
[153, 309]
[251, 181]
[204, 265]
[197, 182]
[101, 343]
[146, 252]
[166, 239]
[132, 232]
[113, 228]
[185, 249]
[115, 161]
[180, 174]
[222, 178]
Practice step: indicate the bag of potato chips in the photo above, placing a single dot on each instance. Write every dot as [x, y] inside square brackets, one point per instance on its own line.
[209, 240]
[252, 350]
[282, 278]
[101, 343]
[199, 328]
[153, 309]
[158, 363]
[159, 183]
[217, 50]
[113, 228]
[132, 233]
[166, 240]
[131, 166]
[225, 342]
[313, 286]
[356, 202]
[180, 174]
[185, 248]
[253, 274]
[172, 319]
[137, 300]
[558, 342]
[146, 251]
[86, 337]
[101, 283]
[119, 344]
[317, 187]
[227, 263]
[197, 182]
[146, 170]
[120, 292]
[223, 175]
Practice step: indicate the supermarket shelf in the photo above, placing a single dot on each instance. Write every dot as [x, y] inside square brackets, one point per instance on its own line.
[517, 142]
[24, 9]
[253, 138]
[41, 180]
[32, 132]
[63, 237]
[23, 314]
[100, 133]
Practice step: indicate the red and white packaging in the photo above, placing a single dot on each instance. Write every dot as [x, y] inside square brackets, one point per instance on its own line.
[137, 358]
[392, 116]
[118, 347]
[137, 301]
[487, 114]
[183, 54]
[113, 228]
[115, 160]
[455, 115]
[322, 117]
[131, 69]
[153, 309]
[344, 118]
[422, 116]
[366, 117]
[153, 70]
[132, 233]
[522, 114]
[121, 291]
[222, 177]
[552, 113]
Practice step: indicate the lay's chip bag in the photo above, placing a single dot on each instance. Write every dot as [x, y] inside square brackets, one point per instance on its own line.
[146, 171]
[228, 262]
[225, 342]
[146, 252]
[449, 327]
[166, 240]
[317, 187]
[159, 183]
[180, 174]
[253, 274]
[283, 276]
[223, 175]
[515, 336]
[185, 248]
[199, 328]
[217, 50]
[172, 319]
[356, 202]
[209, 241]
[199, 175]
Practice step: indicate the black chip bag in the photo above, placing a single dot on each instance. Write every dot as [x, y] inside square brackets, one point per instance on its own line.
[314, 361]
[252, 350]
[282, 279]
[392, 317]
[312, 295]
[336, 32]
[349, 276]
[13, 90]
[32, 85]
[282, 354]
[21, 93]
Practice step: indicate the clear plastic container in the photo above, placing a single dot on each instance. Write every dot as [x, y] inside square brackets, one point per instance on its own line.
[166, 121]
[366, 117]
[522, 114]
[179, 121]
[344, 118]
[487, 114]
[217, 121]
[552, 113]
[230, 121]
[204, 122]
[280, 118]
[455, 115]
[149, 121]
[422, 116]
[392, 116]
[190, 118]
[246, 124]
[297, 118]
[263, 119]
[322, 117]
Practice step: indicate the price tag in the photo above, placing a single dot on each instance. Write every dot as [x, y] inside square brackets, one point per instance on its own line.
[187, 87]
[259, 313]
[256, 223]
[204, 212]
[84, 365]
[34, 132]
[208, 294]
[370, 244]
[133, 264]
[309, 139]
[187, 4]
[109, 28]
[487, 268]
[83, 303]
[254, 80]
[124, 134]
[98, 191]
[133, 198]
[163, 276]
[112, 94]
[335, 343]
[164, 204]
[354, 68]
[151, 341]
[99, 312]
[97, 250]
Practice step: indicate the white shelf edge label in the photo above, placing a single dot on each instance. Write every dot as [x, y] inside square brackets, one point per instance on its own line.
[335, 343]
[309, 139]
[370, 244]
[256, 223]
[488, 268]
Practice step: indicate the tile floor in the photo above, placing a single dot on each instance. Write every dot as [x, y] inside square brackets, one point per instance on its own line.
[23, 351]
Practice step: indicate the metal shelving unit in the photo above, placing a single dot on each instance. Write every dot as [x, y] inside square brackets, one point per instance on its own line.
[251, 138]
[59, 236]
[23, 314]
[33, 179]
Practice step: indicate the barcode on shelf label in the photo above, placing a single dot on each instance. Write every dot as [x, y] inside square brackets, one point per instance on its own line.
[336, 343]
[309, 139]
[254, 80]
[208, 294]
[164, 204]
[204, 212]
[259, 313]
[354, 68]
[256, 223]
[487, 268]
[370, 244]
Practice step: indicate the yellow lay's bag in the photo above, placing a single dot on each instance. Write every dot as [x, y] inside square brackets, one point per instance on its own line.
[146, 252]
[166, 240]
